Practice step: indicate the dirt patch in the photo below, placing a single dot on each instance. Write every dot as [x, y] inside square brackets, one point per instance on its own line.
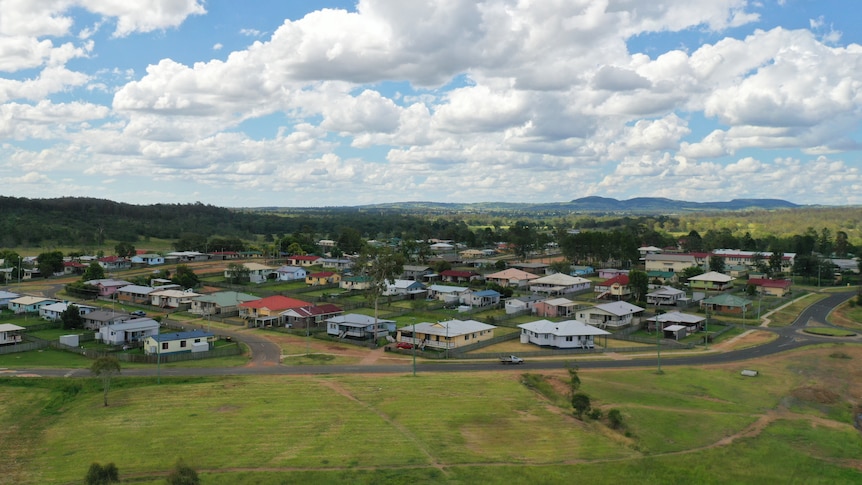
[815, 394]
[749, 339]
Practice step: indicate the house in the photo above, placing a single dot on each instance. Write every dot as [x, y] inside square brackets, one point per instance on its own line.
[290, 273]
[559, 284]
[726, 303]
[186, 256]
[645, 250]
[129, 331]
[357, 283]
[450, 295]
[322, 278]
[711, 281]
[675, 263]
[416, 272]
[616, 288]
[338, 264]
[450, 334]
[108, 286]
[456, 276]
[691, 323]
[471, 254]
[738, 270]
[54, 311]
[73, 267]
[764, 286]
[171, 343]
[441, 247]
[356, 326]
[568, 334]
[662, 277]
[310, 316]
[29, 304]
[136, 294]
[557, 307]
[580, 270]
[303, 260]
[267, 311]
[511, 278]
[222, 303]
[223, 255]
[481, 298]
[736, 257]
[172, 298]
[6, 297]
[615, 314]
[404, 288]
[10, 334]
[666, 295]
[114, 263]
[257, 273]
[606, 273]
[534, 268]
[100, 318]
[147, 259]
[523, 303]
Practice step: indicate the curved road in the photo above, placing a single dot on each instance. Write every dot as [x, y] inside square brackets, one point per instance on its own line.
[790, 337]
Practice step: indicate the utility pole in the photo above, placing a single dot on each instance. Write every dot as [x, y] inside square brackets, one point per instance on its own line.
[414, 347]
[658, 332]
[706, 329]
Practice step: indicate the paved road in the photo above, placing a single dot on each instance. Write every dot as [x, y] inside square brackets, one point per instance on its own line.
[790, 337]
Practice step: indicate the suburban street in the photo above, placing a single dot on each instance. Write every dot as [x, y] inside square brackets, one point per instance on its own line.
[266, 355]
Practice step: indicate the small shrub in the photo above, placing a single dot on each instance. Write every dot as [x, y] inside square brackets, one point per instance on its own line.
[595, 414]
[581, 404]
[615, 419]
[183, 474]
[839, 355]
[102, 475]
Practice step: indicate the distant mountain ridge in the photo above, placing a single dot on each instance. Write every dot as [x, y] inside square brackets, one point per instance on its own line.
[596, 204]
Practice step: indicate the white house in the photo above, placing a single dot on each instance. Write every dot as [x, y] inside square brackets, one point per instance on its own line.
[568, 334]
[134, 330]
[10, 334]
[559, 284]
[446, 335]
[29, 304]
[172, 298]
[54, 311]
[148, 259]
[449, 295]
[404, 287]
[170, 343]
[6, 297]
[257, 273]
[354, 325]
[616, 314]
[523, 303]
[482, 298]
[666, 295]
[290, 273]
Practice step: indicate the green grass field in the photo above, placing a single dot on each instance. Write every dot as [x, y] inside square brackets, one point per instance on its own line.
[689, 425]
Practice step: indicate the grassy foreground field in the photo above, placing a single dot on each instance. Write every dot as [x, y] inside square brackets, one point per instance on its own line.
[793, 423]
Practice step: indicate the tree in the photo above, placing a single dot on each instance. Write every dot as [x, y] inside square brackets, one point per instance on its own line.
[185, 277]
[615, 418]
[639, 282]
[237, 273]
[776, 261]
[693, 242]
[183, 474]
[561, 267]
[841, 244]
[125, 249]
[105, 368]
[94, 271]
[574, 380]
[523, 238]
[349, 241]
[687, 273]
[50, 263]
[102, 475]
[581, 403]
[71, 317]
[757, 261]
[381, 265]
[716, 263]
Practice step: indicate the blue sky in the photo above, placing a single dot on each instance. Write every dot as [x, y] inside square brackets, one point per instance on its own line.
[281, 103]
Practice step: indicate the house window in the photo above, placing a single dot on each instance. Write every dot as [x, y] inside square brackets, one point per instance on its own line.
[164, 346]
[182, 344]
[197, 340]
[569, 338]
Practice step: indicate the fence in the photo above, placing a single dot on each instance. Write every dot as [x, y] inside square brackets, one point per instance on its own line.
[23, 347]
[225, 351]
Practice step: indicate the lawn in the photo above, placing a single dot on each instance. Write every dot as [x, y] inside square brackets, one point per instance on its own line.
[688, 425]
[787, 315]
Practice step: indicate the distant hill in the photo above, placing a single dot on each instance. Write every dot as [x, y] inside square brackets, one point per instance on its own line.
[593, 204]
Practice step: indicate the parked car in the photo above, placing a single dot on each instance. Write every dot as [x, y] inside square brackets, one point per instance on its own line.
[404, 345]
[511, 359]
[138, 313]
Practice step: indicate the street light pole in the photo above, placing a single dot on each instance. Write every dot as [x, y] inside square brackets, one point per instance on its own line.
[658, 332]
[706, 329]
[414, 347]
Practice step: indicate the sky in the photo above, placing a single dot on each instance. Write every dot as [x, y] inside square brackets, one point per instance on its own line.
[343, 103]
